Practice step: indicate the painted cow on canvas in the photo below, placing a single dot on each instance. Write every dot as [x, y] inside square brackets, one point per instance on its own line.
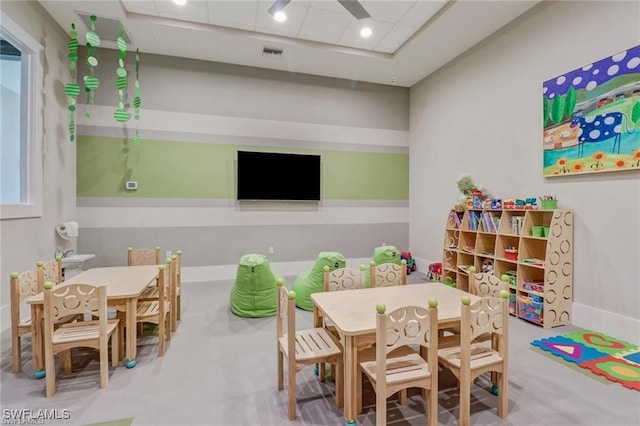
[599, 128]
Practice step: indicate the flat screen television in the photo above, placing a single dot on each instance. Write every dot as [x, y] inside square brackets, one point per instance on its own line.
[278, 176]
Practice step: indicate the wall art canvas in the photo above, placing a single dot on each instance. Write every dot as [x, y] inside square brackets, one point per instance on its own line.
[591, 117]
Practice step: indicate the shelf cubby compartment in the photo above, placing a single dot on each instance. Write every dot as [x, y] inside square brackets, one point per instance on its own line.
[532, 251]
[502, 267]
[471, 220]
[452, 223]
[531, 280]
[511, 222]
[451, 239]
[450, 260]
[464, 261]
[467, 242]
[489, 222]
[486, 245]
[504, 243]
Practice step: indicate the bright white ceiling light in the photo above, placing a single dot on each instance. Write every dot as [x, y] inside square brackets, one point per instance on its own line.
[366, 32]
[280, 16]
[180, 2]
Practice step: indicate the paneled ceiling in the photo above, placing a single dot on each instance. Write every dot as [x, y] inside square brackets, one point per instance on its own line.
[409, 40]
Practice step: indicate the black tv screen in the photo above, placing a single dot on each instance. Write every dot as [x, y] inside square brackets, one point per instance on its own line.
[276, 176]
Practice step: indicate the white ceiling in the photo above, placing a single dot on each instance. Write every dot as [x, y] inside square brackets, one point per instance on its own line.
[411, 38]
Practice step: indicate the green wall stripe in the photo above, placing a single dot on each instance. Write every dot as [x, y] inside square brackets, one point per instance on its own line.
[171, 169]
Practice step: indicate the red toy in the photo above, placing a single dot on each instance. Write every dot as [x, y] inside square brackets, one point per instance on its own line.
[411, 263]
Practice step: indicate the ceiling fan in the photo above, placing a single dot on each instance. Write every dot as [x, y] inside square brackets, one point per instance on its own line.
[353, 7]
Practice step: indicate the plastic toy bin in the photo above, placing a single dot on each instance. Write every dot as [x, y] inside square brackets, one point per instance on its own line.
[530, 308]
[511, 254]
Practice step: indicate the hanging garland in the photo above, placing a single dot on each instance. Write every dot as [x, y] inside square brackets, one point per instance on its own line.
[121, 114]
[91, 82]
[72, 90]
[137, 101]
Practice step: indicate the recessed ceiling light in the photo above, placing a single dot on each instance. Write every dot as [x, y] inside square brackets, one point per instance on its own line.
[280, 16]
[180, 2]
[366, 32]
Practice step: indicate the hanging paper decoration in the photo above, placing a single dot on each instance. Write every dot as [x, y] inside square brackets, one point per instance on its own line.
[121, 114]
[72, 90]
[137, 101]
[91, 82]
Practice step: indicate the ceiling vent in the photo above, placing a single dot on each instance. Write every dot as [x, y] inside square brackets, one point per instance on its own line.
[271, 51]
[107, 28]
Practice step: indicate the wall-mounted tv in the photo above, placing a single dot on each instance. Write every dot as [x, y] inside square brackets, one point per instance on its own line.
[278, 176]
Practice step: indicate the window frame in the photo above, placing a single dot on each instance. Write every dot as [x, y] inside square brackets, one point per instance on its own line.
[31, 87]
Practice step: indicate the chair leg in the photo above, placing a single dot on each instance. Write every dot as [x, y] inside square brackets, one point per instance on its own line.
[431, 397]
[115, 350]
[280, 372]
[503, 400]
[179, 308]
[465, 400]
[50, 371]
[292, 392]
[322, 372]
[359, 391]
[16, 351]
[104, 363]
[381, 408]
[402, 397]
[65, 360]
[161, 325]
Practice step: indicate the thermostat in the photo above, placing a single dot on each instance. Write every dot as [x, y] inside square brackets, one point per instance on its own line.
[131, 184]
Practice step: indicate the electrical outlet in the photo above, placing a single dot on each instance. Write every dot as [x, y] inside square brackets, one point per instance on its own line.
[271, 251]
[168, 254]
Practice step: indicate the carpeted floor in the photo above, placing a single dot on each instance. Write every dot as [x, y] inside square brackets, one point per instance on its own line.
[606, 356]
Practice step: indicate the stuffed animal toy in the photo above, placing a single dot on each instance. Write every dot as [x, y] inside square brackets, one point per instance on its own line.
[468, 191]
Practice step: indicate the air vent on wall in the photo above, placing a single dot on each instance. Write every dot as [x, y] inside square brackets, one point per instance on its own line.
[107, 28]
[271, 51]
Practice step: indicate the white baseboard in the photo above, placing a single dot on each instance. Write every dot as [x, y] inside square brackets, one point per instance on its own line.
[623, 328]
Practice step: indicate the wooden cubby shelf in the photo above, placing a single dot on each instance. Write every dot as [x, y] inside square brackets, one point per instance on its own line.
[534, 248]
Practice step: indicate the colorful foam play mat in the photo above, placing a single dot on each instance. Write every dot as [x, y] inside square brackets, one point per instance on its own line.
[614, 359]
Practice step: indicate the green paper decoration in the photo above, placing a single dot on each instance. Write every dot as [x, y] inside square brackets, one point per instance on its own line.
[72, 90]
[137, 100]
[91, 82]
[121, 114]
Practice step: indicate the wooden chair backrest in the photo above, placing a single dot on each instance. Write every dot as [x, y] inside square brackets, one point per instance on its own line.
[139, 257]
[72, 299]
[177, 266]
[286, 311]
[485, 284]
[487, 315]
[388, 274]
[23, 285]
[344, 279]
[165, 287]
[50, 270]
[408, 325]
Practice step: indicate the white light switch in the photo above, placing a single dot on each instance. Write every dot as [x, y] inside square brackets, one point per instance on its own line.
[131, 185]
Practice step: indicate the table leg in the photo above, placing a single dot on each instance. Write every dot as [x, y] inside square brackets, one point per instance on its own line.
[131, 308]
[350, 379]
[37, 340]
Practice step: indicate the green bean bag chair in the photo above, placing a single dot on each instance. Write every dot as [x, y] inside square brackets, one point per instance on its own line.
[383, 254]
[312, 281]
[254, 292]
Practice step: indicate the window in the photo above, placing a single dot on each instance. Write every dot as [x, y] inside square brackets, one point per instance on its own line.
[20, 122]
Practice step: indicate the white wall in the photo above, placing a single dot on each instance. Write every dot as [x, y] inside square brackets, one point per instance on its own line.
[25, 241]
[481, 114]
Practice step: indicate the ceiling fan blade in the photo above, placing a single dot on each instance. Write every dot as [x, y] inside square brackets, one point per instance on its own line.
[355, 8]
[277, 6]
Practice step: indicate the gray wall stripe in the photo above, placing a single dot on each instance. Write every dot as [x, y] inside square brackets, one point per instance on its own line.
[206, 246]
[119, 132]
[218, 202]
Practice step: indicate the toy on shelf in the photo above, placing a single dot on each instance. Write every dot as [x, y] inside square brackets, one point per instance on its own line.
[487, 266]
[470, 195]
[411, 262]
